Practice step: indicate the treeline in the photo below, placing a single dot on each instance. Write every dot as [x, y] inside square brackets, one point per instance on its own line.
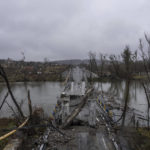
[33, 71]
[129, 63]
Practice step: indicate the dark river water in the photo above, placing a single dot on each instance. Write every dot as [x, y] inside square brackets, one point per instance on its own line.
[137, 98]
[44, 94]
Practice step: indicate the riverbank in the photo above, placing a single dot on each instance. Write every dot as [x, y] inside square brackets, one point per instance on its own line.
[34, 72]
[136, 138]
[33, 78]
[57, 75]
[6, 124]
[110, 79]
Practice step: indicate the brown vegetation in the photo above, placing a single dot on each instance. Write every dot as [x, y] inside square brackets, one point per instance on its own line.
[32, 71]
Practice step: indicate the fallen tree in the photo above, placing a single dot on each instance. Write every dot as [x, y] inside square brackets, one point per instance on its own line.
[77, 110]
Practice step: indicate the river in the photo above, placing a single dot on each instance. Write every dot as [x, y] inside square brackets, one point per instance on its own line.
[44, 94]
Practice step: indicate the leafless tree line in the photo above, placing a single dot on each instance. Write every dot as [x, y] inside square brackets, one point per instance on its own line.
[125, 66]
[145, 55]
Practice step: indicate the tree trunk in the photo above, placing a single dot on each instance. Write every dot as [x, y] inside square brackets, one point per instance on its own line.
[148, 117]
[29, 104]
[126, 97]
[13, 98]
[4, 100]
[148, 103]
[3, 74]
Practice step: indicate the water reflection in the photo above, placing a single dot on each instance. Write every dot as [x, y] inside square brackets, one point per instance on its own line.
[137, 103]
[45, 94]
[116, 88]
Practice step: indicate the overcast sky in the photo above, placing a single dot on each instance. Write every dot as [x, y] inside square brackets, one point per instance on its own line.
[69, 29]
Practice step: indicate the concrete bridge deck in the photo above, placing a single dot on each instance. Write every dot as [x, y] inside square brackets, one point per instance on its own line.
[92, 134]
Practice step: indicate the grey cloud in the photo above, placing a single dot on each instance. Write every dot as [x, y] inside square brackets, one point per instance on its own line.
[65, 29]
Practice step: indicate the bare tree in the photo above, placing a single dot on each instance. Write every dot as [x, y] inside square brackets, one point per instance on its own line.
[29, 104]
[96, 67]
[101, 69]
[123, 70]
[92, 64]
[23, 56]
[116, 67]
[145, 55]
[4, 76]
[102, 63]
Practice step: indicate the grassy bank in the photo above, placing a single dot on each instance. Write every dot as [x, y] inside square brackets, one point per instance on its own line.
[21, 78]
[110, 79]
[137, 77]
[6, 124]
